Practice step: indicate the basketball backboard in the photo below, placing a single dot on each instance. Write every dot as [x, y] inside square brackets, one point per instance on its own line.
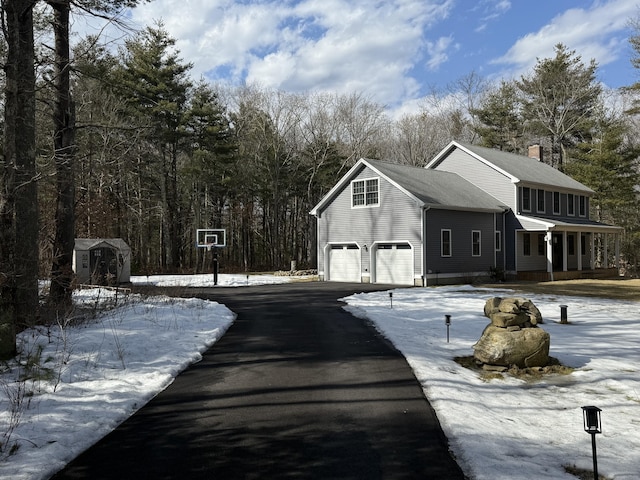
[211, 237]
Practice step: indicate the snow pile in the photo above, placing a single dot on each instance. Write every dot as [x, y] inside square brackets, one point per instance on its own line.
[82, 381]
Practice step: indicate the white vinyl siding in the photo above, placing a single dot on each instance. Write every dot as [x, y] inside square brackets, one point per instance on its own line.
[483, 176]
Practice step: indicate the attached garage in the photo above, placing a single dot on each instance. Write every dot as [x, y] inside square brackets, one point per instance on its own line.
[394, 263]
[344, 263]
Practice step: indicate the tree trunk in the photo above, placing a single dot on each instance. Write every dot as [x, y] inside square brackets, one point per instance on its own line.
[64, 139]
[19, 202]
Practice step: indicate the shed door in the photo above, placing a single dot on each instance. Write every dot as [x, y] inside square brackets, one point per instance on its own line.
[394, 263]
[344, 263]
[104, 267]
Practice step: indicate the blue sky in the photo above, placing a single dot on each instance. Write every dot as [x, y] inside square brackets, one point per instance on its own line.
[395, 51]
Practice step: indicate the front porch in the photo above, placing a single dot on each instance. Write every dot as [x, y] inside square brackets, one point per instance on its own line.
[543, 276]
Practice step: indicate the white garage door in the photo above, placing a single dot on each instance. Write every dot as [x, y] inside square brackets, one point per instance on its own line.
[344, 263]
[394, 263]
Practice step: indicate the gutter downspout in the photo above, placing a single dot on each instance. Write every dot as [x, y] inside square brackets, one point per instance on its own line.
[504, 243]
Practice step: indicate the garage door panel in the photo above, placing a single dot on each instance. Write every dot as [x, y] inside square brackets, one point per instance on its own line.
[344, 263]
[394, 264]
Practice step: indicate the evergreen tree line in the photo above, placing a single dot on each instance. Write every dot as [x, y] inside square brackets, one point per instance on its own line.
[128, 145]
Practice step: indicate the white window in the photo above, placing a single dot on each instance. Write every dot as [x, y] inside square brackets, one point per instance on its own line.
[526, 199]
[571, 204]
[445, 243]
[556, 203]
[476, 236]
[541, 206]
[364, 193]
[582, 205]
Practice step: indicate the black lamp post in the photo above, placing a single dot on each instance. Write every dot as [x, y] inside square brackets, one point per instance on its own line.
[592, 425]
[391, 299]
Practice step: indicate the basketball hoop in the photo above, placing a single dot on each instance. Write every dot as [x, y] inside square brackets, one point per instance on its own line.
[209, 246]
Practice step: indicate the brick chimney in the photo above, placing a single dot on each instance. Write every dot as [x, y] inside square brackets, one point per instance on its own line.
[535, 151]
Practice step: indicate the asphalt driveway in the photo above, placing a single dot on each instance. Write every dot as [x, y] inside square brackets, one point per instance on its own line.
[296, 388]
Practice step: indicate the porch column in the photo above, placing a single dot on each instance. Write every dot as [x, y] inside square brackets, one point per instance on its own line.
[579, 250]
[592, 257]
[564, 251]
[605, 253]
[549, 238]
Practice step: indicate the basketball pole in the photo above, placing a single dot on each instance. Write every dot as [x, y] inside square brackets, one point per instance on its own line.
[215, 266]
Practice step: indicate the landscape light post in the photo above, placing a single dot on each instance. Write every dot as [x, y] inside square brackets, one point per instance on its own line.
[447, 321]
[592, 425]
[563, 314]
[391, 299]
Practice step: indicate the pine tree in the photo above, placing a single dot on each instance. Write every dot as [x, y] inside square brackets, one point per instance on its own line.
[559, 99]
[154, 83]
[500, 123]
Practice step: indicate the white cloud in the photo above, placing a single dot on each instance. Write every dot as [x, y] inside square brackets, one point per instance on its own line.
[325, 45]
[597, 32]
[438, 52]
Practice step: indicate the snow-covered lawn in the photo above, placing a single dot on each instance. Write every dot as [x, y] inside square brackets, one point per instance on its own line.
[510, 428]
[85, 380]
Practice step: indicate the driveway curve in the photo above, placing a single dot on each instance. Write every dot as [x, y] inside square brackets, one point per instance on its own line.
[296, 388]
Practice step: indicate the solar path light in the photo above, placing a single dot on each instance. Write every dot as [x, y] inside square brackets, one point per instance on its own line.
[592, 425]
[563, 314]
[447, 321]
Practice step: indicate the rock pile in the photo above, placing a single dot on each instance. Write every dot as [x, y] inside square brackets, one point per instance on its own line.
[513, 337]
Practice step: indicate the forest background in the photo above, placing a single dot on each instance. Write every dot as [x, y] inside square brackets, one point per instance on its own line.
[100, 144]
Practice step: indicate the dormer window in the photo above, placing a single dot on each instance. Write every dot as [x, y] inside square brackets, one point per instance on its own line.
[365, 193]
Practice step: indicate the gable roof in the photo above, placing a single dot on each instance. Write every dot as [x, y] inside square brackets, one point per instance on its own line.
[429, 188]
[91, 243]
[519, 168]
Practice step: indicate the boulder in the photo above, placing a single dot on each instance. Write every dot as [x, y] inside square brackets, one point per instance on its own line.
[498, 309]
[527, 347]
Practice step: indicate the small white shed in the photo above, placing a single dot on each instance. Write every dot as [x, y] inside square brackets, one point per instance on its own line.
[102, 261]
